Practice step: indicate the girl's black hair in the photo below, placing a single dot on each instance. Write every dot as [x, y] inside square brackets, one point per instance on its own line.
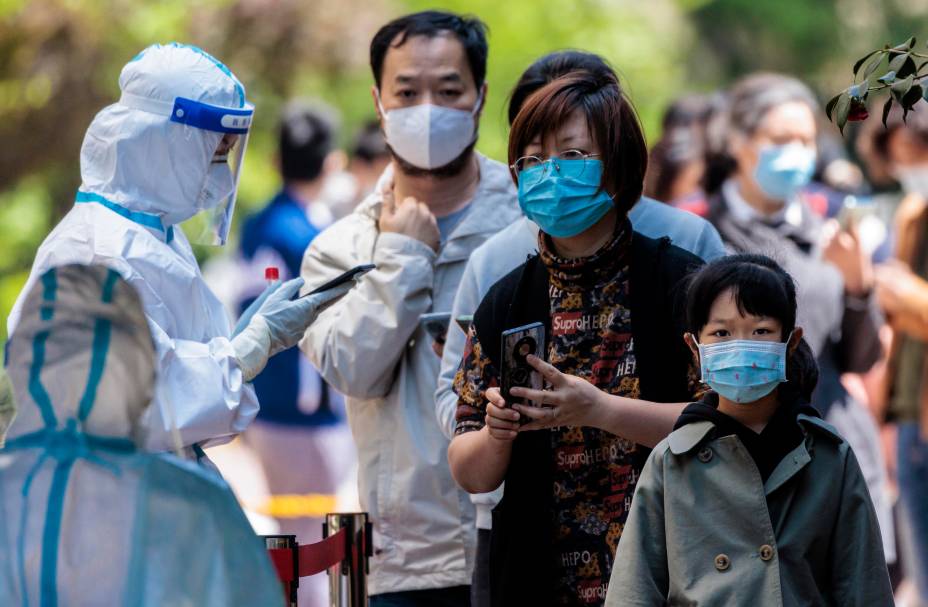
[760, 288]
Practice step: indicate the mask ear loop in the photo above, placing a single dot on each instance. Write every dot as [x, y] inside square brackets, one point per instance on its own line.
[702, 374]
[383, 112]
[478, 104]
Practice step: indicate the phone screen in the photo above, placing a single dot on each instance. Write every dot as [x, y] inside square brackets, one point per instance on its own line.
[343, 278]
[464, 322]
[518, 343]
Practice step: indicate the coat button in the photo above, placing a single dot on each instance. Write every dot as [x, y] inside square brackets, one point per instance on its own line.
[722, 562]
[766, 552]
[705, 454]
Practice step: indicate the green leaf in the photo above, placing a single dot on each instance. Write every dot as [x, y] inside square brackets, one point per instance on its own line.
[901, 88]
[903, 65]
[871, 67]
[861, 61]
[829, 108]
[913, 96]
[886, 107]
[906, 46]
[887, 78]
[842, 109]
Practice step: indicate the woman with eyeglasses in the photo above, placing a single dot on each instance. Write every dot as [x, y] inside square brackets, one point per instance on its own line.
[605, 296]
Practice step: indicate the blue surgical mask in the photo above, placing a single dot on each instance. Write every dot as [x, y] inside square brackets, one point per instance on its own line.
[783, 170]
[563, 196]
[743, 370]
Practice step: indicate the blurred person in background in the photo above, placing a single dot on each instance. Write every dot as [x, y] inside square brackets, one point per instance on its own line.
[369, 159]
[170, 149]
[902, 288]
[761, 154]
[675, 167]
[435, 204]
[508, 249]
[354, 176]
[677, 161]
[300, 435]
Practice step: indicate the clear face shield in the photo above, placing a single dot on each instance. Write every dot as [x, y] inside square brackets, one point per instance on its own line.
[215, 202]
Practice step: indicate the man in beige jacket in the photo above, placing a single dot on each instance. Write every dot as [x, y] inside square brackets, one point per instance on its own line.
[437, 203]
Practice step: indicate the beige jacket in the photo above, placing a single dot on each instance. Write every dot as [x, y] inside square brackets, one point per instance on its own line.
[370, 346]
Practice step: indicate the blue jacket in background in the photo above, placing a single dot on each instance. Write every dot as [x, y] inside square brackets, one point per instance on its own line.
[282, 230]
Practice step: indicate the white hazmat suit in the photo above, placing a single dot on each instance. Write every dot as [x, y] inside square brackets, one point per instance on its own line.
[150, 161]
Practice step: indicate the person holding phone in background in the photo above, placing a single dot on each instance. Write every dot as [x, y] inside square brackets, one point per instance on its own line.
[605, 296]
[437, 202]
[902, 290]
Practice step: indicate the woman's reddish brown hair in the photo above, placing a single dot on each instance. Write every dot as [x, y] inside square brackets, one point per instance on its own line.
[611, 119]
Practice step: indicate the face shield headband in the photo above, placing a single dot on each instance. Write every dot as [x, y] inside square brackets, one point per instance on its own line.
[215, 203]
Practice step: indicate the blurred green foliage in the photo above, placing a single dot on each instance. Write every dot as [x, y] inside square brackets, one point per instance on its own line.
[60, 60]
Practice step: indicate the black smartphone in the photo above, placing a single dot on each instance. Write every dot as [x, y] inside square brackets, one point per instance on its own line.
[465, 321]
[343, 278]
[436, 324]
[517, 344]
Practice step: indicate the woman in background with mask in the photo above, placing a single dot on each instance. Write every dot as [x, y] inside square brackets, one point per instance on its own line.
[729, 508]
[605, 296]
[902, 288]
[761, 153]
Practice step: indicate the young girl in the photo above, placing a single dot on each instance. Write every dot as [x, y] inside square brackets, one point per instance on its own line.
[753, 499]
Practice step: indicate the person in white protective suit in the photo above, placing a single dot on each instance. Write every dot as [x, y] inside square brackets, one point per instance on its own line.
[86, 517]
[169, 149]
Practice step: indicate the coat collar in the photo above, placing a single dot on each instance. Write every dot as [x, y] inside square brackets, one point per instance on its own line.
[685, 439]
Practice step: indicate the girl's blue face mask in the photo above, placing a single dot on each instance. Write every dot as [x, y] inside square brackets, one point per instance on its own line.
[563, 196]
[743, 370]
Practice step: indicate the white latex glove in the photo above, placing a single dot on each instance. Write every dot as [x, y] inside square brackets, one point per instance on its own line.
[279, 324]
[251, 310]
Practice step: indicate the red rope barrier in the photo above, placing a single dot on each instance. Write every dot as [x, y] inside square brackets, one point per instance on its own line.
[313, 558]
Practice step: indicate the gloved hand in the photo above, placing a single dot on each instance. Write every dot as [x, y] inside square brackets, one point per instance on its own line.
[279, 324]
[250, 311]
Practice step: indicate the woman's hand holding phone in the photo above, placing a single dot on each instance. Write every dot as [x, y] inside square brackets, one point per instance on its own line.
[571, 401]
[502, 421]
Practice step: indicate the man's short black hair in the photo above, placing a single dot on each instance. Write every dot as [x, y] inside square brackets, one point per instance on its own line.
[472, 33]
[307, 135]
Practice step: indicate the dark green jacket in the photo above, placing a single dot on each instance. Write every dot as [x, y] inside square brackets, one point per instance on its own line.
[705, 530]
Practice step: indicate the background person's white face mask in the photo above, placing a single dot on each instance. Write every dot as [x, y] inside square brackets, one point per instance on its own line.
[429, 136]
